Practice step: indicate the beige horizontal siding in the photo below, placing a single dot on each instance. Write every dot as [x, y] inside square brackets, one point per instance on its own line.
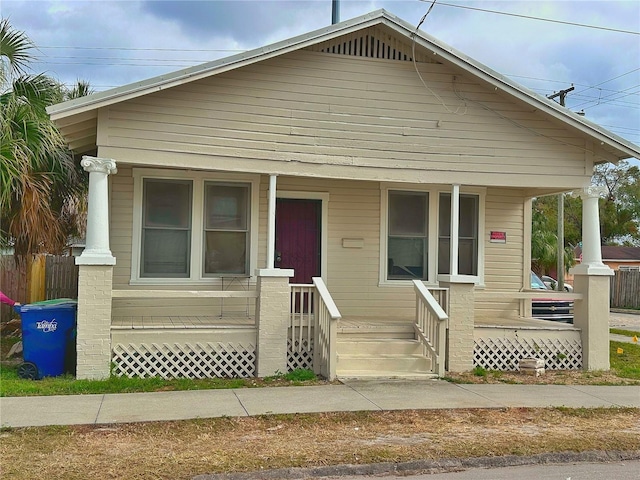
[352, 273]
[317, 108]
[121, 212]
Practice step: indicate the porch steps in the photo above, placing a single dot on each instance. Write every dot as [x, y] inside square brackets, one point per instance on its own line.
[376, 357]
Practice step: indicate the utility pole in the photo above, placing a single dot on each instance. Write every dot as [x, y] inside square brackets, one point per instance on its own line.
[560, 265]
[562, 94]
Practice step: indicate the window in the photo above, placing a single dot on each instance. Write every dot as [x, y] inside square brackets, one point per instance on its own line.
[191, 227]
[407, 245]
[166, 228]
[467, 234]
[226, 229]
[415, 237]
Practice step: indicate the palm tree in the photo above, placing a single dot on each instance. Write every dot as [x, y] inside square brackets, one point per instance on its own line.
[38, 177]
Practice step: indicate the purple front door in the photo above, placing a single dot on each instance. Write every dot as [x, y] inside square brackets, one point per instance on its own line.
[298, 237]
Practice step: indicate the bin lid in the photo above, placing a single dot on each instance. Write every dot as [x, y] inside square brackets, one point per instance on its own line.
[49, 304]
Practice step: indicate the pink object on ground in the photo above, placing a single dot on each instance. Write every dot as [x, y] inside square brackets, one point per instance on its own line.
[7, 300]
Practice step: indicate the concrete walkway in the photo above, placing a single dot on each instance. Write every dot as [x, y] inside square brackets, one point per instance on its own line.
[351, 395]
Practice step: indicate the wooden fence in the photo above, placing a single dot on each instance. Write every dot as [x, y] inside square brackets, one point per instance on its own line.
[625, 290]
[52, 276]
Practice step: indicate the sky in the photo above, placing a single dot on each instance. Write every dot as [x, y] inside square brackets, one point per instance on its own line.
[592, 45]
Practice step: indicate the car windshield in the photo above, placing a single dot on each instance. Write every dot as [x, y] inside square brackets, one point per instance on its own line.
[536, 283]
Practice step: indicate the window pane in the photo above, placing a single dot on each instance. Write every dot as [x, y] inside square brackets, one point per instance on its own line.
[444, 255]
[408, 213]
[225, 252]
[467, 258]
[226, 207]
[468, 216]
[167, 203]
[165, 253]
[406, 258]
[444, 215]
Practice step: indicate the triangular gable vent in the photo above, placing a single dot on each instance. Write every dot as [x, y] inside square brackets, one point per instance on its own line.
[371, 43]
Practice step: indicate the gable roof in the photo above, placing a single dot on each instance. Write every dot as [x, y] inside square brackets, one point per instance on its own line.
[77, 118]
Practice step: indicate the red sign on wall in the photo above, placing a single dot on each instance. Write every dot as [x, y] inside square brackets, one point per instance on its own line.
[498, 237]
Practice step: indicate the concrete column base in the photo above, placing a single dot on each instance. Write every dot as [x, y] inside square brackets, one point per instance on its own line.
[461, 323]
[591, 315]
[272, 320]
[94, 322]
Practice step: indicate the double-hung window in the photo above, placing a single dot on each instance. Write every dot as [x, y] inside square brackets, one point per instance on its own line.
[226, 228]
[166, 228]
[192, 227]
[416, 243]
[467, 234]
[407, 244]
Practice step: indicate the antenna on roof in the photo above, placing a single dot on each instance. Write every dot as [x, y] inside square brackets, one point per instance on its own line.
[335, 11]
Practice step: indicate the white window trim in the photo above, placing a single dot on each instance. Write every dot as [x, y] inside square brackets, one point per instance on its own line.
[197, 223]
[324, 226]
[482, 193]
[434, 192]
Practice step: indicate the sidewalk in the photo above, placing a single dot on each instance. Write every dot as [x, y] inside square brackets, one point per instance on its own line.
[351, 395]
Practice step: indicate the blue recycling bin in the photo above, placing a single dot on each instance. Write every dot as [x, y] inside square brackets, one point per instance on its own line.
[48, 338]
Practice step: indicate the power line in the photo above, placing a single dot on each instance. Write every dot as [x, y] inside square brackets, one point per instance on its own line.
[131, 49]
[529, 17]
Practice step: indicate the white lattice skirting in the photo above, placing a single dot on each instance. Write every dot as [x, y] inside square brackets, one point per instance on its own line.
[201, 360]
[300, 355]
[504, 353]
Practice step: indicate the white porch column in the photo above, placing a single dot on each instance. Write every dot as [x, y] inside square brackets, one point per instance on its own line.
[97, 250]
[271, 225]
[455, 228]
[272, 320]
[95, 277]
[591, 279]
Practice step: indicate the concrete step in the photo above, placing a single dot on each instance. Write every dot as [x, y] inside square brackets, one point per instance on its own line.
[383, 374]
[377, 331]
[371, 346]
[382, 362]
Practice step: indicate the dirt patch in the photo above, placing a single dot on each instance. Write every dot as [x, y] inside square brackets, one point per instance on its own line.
[550, 377]
[180, 450]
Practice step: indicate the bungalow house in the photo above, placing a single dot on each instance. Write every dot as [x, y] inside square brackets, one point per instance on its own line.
[618, 257]
[355, 200]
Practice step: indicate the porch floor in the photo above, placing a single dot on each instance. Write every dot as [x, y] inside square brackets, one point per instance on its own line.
[175, 322]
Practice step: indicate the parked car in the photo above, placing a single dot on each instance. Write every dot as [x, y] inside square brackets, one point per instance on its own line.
[552, 283]
[554, 309]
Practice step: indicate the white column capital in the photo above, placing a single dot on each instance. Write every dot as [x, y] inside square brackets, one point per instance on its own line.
[591, 191]
[100, 165]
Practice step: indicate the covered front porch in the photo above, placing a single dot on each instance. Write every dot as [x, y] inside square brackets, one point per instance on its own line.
[223, 342]
[262, 324]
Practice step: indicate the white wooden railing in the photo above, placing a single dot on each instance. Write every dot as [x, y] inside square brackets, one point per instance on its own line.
[326, 331]
[302, 323]
[431, 325]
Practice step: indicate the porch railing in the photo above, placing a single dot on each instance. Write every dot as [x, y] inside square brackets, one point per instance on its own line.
[431, 325]
[301, 326]
[326, 331]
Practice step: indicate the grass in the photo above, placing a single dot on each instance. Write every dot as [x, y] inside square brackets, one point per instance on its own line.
[183, 449]
[627, 363]
[620, 331]
[12, 386]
